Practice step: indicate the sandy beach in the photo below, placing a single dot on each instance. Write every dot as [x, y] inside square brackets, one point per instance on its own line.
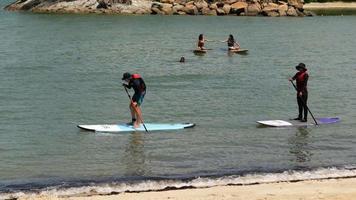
[327, 189]
[330, 5]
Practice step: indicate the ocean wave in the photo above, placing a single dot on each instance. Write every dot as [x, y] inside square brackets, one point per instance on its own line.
[198, 182]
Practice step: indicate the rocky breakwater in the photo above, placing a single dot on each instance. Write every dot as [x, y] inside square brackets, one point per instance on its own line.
[271, 8]
[231, 7]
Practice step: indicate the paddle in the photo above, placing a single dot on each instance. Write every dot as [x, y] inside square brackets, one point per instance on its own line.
[295, 87]
[128, 94]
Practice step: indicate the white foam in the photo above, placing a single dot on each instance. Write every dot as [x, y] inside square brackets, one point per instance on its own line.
[152, 185]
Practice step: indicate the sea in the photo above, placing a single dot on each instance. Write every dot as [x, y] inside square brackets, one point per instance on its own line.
[61, 70]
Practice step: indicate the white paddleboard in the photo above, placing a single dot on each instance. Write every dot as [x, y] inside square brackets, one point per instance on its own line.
[286, 123]
[130, 128]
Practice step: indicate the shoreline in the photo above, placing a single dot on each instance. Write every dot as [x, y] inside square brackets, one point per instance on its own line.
[326, 189]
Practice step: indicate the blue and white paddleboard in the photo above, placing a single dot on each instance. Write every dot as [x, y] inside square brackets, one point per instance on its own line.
[130, 128]
[286, 123]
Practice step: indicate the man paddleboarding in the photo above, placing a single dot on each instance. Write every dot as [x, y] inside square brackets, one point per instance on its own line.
[301, 78]
[136, 82]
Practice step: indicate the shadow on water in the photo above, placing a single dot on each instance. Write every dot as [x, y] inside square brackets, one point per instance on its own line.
[134, 158]
[299, 146]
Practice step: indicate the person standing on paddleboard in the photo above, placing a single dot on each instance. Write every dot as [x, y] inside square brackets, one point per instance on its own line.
[301, 78]
[136, 82]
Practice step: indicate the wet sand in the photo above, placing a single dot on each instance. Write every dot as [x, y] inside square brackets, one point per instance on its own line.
[328, 189]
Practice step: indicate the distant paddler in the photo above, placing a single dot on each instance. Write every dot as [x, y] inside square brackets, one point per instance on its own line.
[136, 82]
[232, 44]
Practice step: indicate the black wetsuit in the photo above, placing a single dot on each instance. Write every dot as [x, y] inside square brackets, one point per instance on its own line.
[302, 81]
[139, 87]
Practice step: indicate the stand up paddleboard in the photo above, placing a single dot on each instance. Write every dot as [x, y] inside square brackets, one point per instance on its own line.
[238, 50]
[200, 51]
[283, 123]
[129, 128]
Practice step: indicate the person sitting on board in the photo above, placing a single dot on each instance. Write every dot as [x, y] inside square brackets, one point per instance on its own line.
[231, 43]
[136, 82]
[301, 78]
[201, 42]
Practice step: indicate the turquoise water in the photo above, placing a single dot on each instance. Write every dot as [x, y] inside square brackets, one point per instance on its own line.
[58, 71]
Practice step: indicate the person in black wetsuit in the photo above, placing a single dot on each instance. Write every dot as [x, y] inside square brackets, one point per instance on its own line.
[301, 78]
[136, 82]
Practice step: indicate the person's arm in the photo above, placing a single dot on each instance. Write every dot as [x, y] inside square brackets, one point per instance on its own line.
[237, 44]
[293, 78]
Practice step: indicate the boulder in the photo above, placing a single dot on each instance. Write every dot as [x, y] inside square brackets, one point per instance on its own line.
[213, 6]
[239, 5]
[253, 9]
[167, 1]
[282, 10]
[189, 3]
[167, 9]
[178, 8]
[201, 4]
[238, 8]
[273, 14]
[270, 7]
[208, 11]
[142, 11]
[296, 3]
[220, 11]
[230, 2]
[181, 13]
[309, 13]
[292, 12]
[226, 8]
[190, 9]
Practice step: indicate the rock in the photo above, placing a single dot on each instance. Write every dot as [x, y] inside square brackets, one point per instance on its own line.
[220, 4]
[226, 8]
[167, 1]
[208, 11]
[282, 10]
[273, 14]
[189, 3]
[213, 6]
[230, 2]
[220, 11]
[142, 11]
[177, 8]
[253, 9]
[300, 13]
[167, 9]
[239, 5]
[270, 7]
[201, 4]
[102, 5]
[238, 8]
[292, 12]
[156, 8]
[295, 3]
[282, 3]
[190, 9]
[309, 13]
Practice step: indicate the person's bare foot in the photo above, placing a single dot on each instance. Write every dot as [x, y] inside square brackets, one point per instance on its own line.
[136, 125]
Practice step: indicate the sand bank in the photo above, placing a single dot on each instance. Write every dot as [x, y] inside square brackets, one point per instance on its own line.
[329, 189]
[330, 5]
